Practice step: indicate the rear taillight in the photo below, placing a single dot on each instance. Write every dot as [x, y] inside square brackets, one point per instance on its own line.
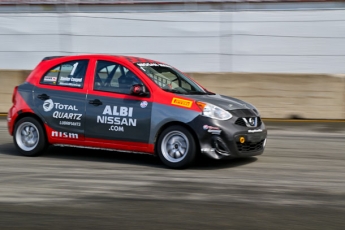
[14, 94]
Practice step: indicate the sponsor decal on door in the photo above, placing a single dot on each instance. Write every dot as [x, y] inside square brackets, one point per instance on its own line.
[59, 112]
[117, 117]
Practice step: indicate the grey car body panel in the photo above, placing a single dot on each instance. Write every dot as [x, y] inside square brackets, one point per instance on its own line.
[229, 131]
[63, 111]
[224, 102]
[229, 134]
[150, 118]
[106, 121]
[26, 92]
[71, 112]
[163, 114]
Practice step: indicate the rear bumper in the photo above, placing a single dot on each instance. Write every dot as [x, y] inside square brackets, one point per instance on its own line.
[11, 117]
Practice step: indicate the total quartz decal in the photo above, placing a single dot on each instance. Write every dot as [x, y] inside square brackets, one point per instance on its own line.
[60, 112]
[117, 117]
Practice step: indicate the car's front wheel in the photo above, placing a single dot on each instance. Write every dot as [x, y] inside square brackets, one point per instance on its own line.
[29, 137]
[176, 147]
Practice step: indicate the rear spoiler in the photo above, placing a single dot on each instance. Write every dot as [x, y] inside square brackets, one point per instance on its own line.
[51, 57]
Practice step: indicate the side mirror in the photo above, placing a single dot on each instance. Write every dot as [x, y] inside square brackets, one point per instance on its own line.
[139, 90]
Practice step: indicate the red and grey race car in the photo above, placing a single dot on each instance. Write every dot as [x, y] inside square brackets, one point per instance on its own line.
[130, 104]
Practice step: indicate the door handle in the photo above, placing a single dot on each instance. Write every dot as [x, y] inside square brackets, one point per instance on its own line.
[43, 96]
[95, 102]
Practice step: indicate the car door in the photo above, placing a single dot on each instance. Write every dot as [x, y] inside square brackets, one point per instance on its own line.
[60, 100]
[112, 113]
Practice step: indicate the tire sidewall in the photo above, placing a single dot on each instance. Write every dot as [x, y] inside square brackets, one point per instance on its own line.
[41, 145]
[188, 159]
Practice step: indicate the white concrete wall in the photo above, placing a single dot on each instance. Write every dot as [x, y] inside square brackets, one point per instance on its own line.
[311, 96]
[294, 41]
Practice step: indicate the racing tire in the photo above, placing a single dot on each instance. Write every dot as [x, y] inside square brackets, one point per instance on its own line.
[176, 147]
[29, 137]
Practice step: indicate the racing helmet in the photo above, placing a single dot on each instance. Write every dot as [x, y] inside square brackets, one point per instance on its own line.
[128, 80]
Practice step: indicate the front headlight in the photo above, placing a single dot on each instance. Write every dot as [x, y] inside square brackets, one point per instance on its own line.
[212, 111]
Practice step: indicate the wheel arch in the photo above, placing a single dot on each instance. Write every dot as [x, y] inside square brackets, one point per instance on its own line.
[172, 123]
[27, 114]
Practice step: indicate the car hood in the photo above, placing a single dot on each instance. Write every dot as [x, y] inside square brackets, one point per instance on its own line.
[224, 102]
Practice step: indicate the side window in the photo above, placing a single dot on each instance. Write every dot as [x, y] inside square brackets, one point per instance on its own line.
[113, 77]
[186, 85]
[70, 74]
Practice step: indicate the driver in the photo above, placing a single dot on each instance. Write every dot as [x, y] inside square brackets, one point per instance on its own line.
[128, 80]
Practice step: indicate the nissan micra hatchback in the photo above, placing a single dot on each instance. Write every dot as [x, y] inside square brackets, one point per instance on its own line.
[130, 104]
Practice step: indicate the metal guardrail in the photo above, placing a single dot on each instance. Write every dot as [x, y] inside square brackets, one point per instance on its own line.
[91, 2]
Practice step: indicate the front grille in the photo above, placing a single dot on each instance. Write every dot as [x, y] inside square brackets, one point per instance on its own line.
[242, 113]
[240, 122]
[250, 146]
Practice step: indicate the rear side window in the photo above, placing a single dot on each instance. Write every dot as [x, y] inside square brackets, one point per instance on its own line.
[70, 74]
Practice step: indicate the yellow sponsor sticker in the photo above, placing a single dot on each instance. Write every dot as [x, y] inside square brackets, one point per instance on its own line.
[182, 102]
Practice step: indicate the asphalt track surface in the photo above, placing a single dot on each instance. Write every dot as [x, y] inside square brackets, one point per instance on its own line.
[297, 184]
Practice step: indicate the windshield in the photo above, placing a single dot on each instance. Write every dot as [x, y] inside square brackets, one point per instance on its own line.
[170, 79]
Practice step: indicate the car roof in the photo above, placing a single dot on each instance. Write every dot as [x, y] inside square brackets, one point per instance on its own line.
[131, 59]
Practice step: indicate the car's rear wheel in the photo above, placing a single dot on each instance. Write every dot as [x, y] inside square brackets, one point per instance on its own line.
[176, 147]
[29, 137]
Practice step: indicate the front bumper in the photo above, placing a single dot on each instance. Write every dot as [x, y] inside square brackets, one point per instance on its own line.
[225, 139]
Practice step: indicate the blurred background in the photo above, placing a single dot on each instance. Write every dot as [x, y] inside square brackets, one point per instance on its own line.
[286, 57]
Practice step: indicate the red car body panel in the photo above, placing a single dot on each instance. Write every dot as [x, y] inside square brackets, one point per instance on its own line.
[19, 107]
[157, 95]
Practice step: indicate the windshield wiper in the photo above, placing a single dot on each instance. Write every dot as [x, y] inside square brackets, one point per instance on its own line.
[197, 92]
[173, 91]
